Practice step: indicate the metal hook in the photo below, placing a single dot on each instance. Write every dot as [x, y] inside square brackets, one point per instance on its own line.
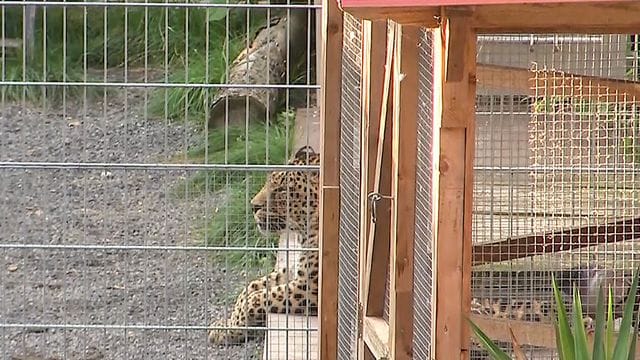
[373, 198]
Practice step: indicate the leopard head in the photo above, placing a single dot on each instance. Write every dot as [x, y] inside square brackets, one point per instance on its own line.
[289, 199]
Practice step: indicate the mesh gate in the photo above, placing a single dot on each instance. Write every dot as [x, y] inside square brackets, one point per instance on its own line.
[350, 184]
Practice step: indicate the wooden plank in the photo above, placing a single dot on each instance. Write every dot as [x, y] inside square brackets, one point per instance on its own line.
[594, 17]
[377, 252]
[584, 86]
[505, 77]
[403, 180]
[332, 30]
[613, 17]
[365, 154]
[376, 336]
[564, 240]
[373, 82]
[282, 343]
[406, 15]
[404, 3]
[455, 190]
[526, 332]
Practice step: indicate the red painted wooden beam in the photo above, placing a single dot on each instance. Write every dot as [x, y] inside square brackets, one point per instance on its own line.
[420, 3]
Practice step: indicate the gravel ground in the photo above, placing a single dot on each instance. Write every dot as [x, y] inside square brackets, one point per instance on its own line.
[106, 289]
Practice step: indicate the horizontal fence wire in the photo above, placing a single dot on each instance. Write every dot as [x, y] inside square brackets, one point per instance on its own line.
[158, 85]
[139, 166]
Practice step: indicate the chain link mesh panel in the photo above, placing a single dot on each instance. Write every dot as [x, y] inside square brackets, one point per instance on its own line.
[350, 188]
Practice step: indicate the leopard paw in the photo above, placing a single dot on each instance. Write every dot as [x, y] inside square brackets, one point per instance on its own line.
[229, 337]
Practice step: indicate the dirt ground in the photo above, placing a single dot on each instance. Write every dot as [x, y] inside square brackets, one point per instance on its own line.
[97, 303]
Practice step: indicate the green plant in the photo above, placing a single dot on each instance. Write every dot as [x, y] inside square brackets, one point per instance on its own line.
[76, 44]
[571, 337]
[232, 224]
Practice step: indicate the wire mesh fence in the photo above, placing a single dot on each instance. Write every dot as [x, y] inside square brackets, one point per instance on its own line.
[424, 279]
[155, 191]
[350, 188]
[556, 175]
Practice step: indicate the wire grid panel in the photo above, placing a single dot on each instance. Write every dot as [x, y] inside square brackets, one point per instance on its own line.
[350, 188]
[556, 161]
[132, 148]
[424, 237]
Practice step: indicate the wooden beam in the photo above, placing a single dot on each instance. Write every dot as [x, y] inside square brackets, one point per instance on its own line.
[368, 124]
[455, 186]
[526, 332]
[403, 180]
[593, 17]
[332, 30]
[505, 78]
[376, 336]
[423, 16]
[378, 240]
[563, 240]
[612, 17]
[584, 86]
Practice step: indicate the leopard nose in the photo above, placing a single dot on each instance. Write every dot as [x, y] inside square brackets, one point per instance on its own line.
[255, 207]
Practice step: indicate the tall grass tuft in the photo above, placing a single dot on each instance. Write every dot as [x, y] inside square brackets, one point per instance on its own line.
[76, 44]
[232, 223]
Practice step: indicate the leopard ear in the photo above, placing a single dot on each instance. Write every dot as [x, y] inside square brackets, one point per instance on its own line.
[304, 152]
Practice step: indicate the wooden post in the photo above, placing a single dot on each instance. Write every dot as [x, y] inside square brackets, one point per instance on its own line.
[455, 61]
[403, 180]
[330, 178]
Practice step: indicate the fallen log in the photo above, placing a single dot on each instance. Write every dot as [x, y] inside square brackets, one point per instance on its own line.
[265, 62]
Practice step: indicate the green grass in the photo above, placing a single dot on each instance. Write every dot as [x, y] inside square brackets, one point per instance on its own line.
[71, 42]
[194, 46]
[232, 222]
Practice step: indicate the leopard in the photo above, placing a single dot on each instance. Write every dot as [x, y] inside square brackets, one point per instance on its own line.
[287, 202]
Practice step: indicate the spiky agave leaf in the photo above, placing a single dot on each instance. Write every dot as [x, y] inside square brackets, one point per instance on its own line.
[564, 339]
[599, 336]
[581, 348]
[609, 344]
[488, 344]
[621, 350]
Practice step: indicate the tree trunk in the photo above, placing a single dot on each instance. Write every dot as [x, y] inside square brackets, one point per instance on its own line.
[264, 62]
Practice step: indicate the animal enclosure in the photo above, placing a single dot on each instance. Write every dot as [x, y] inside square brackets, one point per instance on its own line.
[499, 170]
[158, 179]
